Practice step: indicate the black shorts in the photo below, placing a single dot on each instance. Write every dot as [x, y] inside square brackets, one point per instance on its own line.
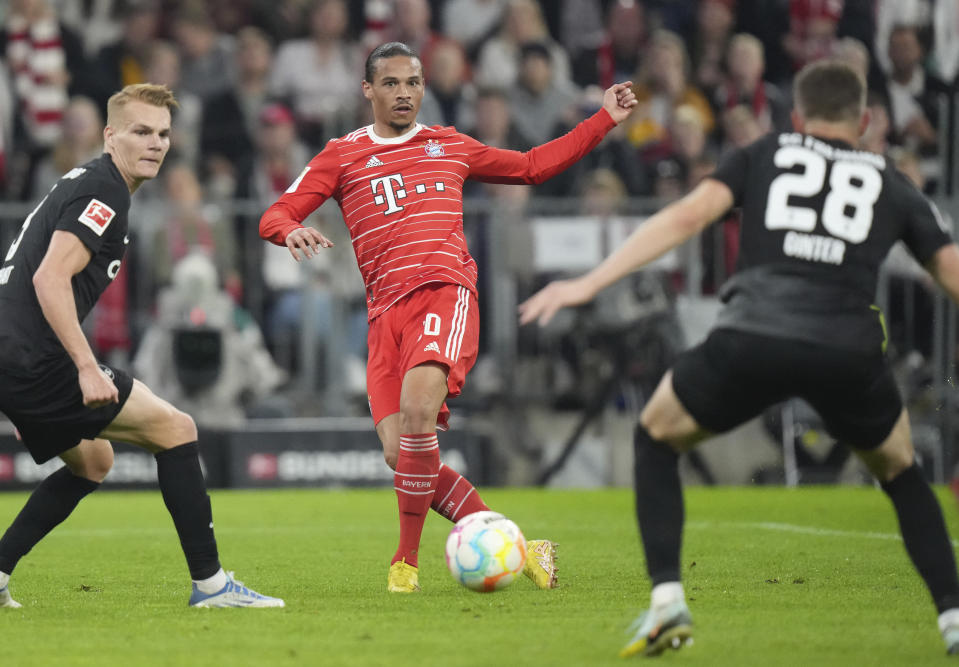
[48, 408]
[734, 375]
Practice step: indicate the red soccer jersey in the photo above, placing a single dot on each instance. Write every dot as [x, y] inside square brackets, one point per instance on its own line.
[402, 199]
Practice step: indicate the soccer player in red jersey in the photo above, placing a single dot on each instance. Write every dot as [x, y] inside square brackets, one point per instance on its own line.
[400, 187]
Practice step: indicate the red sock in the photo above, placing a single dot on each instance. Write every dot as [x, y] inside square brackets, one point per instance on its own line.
[455, 497]
[415, 482]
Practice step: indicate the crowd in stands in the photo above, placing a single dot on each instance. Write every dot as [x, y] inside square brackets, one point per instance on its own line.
[263, 84]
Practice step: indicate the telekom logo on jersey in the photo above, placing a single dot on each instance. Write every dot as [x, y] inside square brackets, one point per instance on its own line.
[390, 189]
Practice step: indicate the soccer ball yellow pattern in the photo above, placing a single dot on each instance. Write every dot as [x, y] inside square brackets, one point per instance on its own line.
[485, 551]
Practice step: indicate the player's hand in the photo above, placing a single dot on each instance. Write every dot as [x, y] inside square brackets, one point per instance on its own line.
[97, 388]
[619, 101]
[307, 240]
[543, 305]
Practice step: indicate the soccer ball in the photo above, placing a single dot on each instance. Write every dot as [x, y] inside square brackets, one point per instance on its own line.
[485, 551]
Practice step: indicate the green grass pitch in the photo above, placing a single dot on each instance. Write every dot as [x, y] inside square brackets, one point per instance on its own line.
[810, 576]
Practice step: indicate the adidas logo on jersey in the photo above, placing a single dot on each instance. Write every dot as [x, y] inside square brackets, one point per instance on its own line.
[432, 346]
[374, 162]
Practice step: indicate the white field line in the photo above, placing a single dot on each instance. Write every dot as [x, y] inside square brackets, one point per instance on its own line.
[803, 530]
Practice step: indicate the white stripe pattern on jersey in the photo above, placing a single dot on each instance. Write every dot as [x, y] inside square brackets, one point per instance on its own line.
[455, 340]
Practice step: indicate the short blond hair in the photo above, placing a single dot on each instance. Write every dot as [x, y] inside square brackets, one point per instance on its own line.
[157, 95]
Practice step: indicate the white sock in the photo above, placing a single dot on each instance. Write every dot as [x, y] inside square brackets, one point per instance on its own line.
[212, 584]
[666, 593]
[948, 618]
[4, 579]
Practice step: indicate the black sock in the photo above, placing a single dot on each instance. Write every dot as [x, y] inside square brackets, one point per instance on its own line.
[48, 505]
[184, 493]
[924, 534]
[659, 505]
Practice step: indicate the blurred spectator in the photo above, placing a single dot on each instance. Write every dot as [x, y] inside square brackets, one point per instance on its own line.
[498, 62]
[671, 159]
[912, 93]
[617, 56]
[581, 29]
[411, 24]
[202, 351]
[538, 101]
[191, 226]
[81, 140]
[813, 29]
[97, 23]
[39, 52]
[469, 22]
[892, 13]
[602, 194]
[876, 136]
[450, 97]
[744, 85]
[740, 127]
[124, 62]
[769, 21]
[493, 122]
[945, 44]
[854, 53]
[206, 55]
[320, 76]
[662, 84]
[709, 46]
[230, 119]
[278, 158]
[163, 65]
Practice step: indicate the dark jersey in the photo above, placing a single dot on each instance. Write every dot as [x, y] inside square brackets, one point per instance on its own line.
[91, 202]
[818, 218]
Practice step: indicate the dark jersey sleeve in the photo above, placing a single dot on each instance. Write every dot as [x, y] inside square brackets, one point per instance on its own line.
[924, 231]
[92, 210]
[733, 172]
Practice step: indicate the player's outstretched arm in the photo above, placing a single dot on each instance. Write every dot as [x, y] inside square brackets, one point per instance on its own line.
[67, 256]
[306, 240]
[664, 231]
[619, 101]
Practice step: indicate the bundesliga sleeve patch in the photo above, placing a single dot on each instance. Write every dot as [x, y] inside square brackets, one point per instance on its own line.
[97, 216]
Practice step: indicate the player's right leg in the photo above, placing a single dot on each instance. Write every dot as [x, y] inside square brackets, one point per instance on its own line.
[155, 425]
[920, 522]
[51, 503]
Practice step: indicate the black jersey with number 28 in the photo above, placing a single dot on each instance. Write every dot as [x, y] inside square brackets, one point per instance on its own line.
[91, 202]
[818, 218]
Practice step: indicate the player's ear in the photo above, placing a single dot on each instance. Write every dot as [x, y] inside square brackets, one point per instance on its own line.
[107, 135]
[864, 121]
[367, 90]
[797, 120]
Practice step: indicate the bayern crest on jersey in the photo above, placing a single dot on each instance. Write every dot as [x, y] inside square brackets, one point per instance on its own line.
[434, 148]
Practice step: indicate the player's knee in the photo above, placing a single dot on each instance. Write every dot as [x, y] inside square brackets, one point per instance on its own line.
[416, 414]
[185, 427]
[96, 462]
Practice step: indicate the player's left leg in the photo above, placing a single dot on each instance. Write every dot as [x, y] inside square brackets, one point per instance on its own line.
[920, 522]
[665, 429]
[51, 503]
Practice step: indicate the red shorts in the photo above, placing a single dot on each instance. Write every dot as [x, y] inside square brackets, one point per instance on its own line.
[437, 322]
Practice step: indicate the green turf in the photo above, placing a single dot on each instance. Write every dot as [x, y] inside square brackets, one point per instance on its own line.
[109, 586]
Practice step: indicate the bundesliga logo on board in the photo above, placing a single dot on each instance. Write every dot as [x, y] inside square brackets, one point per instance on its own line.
[434, 149]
